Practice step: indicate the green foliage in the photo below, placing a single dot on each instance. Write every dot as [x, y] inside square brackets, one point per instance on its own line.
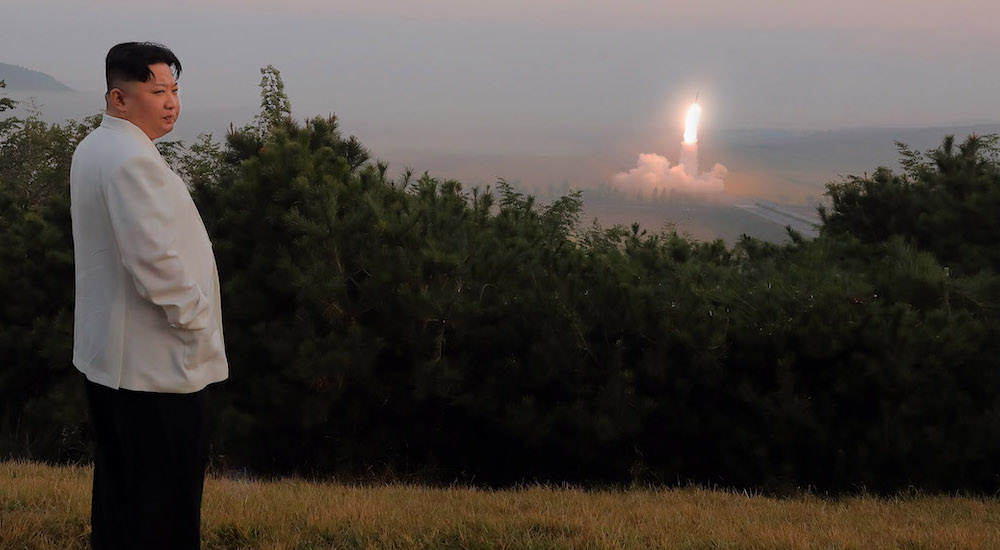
[35, 159]
[406, 326]
[7, 124]
[945, 202]
[275, 107]
[40, 401]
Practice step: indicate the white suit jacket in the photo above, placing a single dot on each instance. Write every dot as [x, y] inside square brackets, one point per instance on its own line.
[147, 315]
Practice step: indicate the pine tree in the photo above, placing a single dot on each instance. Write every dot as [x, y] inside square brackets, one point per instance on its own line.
[275, 106]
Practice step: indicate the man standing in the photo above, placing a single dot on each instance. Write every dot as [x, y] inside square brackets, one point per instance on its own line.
[148, 324]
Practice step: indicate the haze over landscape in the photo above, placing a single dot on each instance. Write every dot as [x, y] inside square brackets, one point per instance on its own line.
[710, 343]
[566, 94]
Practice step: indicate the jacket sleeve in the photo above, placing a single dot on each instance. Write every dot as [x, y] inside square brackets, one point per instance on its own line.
[144, 219]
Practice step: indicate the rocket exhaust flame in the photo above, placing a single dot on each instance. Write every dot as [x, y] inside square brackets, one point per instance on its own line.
[691, 123]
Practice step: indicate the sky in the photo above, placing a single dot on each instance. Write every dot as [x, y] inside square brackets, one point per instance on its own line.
[559, 77]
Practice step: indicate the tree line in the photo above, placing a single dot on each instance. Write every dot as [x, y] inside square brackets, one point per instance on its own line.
[404, 327]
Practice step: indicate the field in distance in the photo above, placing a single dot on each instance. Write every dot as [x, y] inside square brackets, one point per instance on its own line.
[47, 508]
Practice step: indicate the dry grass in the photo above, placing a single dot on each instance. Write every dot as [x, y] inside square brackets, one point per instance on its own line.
[47, 508]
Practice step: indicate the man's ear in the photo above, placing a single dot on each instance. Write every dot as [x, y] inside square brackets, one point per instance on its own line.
[116, 99]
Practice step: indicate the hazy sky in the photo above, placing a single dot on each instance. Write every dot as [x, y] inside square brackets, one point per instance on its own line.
[552, 77]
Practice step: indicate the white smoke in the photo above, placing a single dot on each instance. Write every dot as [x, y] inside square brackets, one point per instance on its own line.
[654, 175]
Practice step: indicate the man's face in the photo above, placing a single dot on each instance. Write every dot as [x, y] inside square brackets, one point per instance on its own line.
[153, 105]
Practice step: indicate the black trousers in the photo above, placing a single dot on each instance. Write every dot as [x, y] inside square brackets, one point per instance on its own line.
[151, 450]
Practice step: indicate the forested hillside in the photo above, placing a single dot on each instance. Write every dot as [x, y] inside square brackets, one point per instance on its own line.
[385, 324]
[21, 78]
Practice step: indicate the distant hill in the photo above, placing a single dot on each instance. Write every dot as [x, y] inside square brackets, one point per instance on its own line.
[20, 78]
[849, 150]
[796, 168]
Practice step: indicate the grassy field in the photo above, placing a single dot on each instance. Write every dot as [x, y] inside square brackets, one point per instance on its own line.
[47, 508]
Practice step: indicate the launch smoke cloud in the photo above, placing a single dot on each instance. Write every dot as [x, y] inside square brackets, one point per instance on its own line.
[654, 174]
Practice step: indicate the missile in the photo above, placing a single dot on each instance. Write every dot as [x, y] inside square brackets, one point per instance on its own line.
[696, 96]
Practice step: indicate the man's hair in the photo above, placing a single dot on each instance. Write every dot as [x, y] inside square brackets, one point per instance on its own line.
[130, 61]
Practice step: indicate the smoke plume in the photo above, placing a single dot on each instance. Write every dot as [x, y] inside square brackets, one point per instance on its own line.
[654, 174]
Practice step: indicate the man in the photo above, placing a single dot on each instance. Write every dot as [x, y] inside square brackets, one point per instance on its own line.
[148, 325]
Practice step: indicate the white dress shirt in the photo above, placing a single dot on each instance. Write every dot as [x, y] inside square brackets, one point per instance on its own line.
[147, 314]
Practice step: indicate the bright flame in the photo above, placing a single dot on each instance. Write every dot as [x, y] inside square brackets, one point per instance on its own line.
[691, 124]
